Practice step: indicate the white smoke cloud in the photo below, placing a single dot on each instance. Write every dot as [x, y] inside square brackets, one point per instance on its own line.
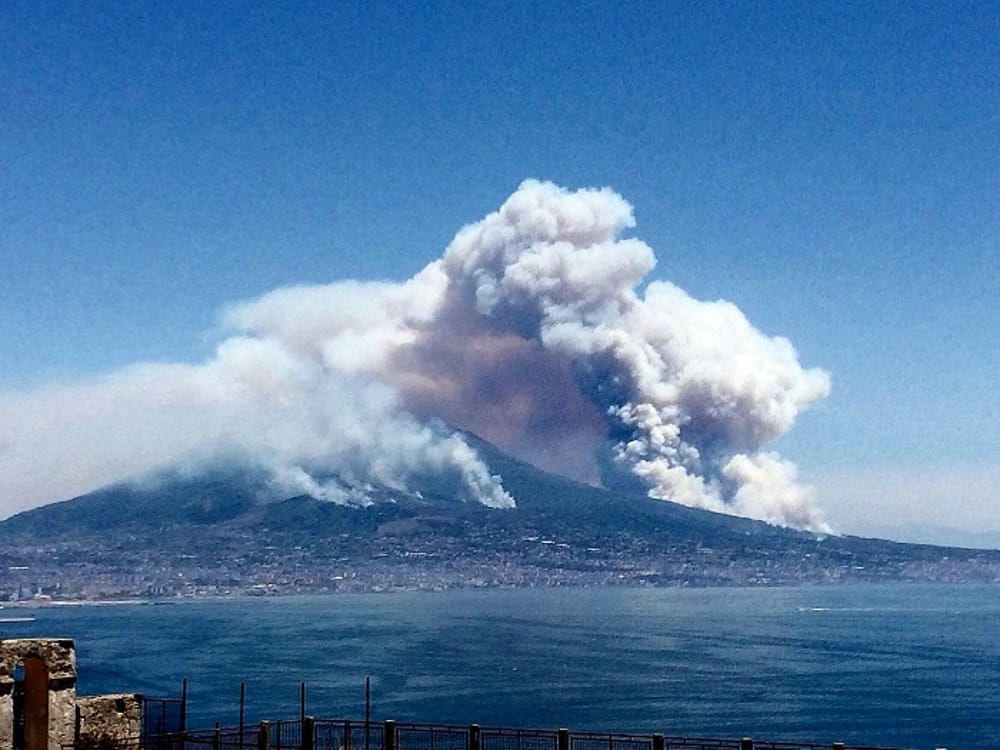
[257, 399]
[530, 332]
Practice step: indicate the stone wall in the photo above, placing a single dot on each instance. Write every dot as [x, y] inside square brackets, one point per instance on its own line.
[109, 720]
[54, 661]
[51, 708]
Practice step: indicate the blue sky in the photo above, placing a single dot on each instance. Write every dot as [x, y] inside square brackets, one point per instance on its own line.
[833, 169]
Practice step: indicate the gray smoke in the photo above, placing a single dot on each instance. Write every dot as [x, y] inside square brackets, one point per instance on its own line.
[530, 332]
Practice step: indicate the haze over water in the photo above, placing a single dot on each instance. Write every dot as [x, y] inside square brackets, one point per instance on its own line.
[911, 666]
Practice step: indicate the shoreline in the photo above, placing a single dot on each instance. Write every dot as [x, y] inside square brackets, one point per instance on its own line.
[242, 596]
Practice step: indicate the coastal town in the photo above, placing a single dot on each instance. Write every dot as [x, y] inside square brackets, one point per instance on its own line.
[402, 556]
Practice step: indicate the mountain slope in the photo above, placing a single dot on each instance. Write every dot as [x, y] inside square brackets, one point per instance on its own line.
[225, 531]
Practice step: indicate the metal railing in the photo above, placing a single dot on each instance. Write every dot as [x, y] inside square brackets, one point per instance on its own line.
[161, 716]
[345, 734]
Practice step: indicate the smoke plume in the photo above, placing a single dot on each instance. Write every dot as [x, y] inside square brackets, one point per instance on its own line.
[530, 331]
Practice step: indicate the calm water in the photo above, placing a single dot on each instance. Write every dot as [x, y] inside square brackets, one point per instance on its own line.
[914, 666]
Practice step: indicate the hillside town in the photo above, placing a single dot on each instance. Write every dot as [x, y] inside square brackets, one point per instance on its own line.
[401, 556]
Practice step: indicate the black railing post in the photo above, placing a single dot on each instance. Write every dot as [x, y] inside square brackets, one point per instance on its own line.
[838, 746]
[308, 732]
[184, 704]
[217, 738]
[347, 735]
[746, 744]
[657, 742]
[243, 701]
[389, 735]
[264, 736]
[368, 709]
[473, 737]
[563, 739]
[183, 722]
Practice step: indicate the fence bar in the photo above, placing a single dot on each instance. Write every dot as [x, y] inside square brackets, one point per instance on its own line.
[184, 704]
[243, 702]
[183, 722]
[308, 731]
[368, 709]
[319, 734]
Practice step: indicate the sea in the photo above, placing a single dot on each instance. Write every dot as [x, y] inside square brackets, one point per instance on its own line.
[912, 666]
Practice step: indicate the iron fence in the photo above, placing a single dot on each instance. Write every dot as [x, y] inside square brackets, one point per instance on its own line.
[430, 736]
[163, 721]
[499, 738]
[162, 716]
[343, 734]
[348, 735]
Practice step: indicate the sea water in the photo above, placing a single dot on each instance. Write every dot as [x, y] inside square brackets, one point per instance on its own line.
[910, 666]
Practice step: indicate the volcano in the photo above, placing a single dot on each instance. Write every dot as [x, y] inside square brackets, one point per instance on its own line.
[228, 530]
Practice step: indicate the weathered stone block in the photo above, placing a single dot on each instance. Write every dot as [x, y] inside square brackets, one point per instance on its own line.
[49, 691]
[54, 717]
[109, 719]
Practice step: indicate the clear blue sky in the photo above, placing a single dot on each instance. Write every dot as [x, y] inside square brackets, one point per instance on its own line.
[832, 168]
